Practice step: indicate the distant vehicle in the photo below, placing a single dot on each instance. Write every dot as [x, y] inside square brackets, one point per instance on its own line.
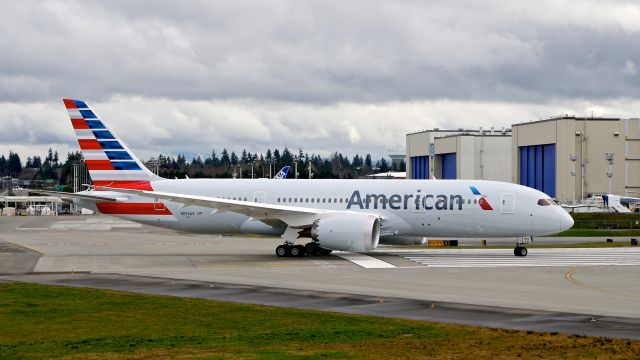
[348, 215]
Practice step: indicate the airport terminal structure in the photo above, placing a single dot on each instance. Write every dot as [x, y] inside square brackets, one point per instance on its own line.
[570, 158]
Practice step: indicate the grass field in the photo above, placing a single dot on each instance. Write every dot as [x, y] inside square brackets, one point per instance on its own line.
[55, 322]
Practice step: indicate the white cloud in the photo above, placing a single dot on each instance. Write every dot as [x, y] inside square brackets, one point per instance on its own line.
[151, 126]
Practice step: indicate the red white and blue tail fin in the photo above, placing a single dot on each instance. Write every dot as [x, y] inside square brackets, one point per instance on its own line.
[109, 160]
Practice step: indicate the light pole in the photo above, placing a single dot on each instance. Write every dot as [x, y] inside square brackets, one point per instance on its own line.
[295, 159]
[609, 158]
[573, 158]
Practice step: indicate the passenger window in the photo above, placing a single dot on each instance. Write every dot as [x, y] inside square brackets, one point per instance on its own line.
[312, 199]
[324, 200]
[475, 201]
[340, 200]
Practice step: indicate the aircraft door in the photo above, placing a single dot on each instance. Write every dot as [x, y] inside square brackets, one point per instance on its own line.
[259, 196]
[507, 206]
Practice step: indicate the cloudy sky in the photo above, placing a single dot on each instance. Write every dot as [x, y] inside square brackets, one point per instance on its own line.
[352, 76]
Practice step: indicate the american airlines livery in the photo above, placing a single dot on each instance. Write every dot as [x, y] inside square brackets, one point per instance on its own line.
[347, 215]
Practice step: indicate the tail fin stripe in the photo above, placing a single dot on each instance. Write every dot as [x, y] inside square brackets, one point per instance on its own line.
[110, 145]
[125, 165]
[94, 155]
[84, 134]
[69, 104]
[89, 144]
[88, 114]
[118, 155]
[79, 124]
[80, 104]
[103, 134]
[95, 124]
[99, 165]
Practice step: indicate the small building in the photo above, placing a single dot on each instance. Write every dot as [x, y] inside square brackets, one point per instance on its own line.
[459, 154]
[570, 158]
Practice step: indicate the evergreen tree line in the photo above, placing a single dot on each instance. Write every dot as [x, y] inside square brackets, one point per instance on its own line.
[50, 169]
[229, 164]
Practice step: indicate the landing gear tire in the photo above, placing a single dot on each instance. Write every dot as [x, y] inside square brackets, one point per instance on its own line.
[297, 251]
[283, 250]
[520, 251]
[311, 248]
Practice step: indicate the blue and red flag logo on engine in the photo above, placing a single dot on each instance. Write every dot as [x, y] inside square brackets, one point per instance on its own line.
[482, 200]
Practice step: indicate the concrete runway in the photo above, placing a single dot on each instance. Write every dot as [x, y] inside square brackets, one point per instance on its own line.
[549, 290]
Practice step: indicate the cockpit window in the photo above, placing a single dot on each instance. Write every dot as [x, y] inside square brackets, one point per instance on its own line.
[544, 202]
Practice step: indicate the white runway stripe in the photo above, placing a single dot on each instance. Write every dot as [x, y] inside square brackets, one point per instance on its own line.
[536, 257]
[365, 261]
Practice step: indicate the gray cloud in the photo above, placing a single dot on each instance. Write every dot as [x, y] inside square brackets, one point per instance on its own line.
[319, 52]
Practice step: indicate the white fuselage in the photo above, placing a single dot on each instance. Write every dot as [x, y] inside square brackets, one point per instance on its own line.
[440, 208]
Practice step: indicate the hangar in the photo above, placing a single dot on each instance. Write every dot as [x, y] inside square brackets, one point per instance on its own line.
[568, 157]
[571, 158]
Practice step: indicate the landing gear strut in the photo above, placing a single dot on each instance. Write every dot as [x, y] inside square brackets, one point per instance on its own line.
[520, 249]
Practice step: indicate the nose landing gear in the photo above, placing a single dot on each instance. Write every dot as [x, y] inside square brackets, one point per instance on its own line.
[520, 249]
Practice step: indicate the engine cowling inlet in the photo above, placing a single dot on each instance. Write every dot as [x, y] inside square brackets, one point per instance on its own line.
[347, 232]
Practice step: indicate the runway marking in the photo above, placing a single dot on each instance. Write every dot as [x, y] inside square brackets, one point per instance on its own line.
[569, 276]
[368, 262]
[536, 257]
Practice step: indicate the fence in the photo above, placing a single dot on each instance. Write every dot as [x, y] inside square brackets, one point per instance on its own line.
[606, 224]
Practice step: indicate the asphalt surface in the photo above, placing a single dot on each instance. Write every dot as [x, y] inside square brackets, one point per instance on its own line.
[545, 292]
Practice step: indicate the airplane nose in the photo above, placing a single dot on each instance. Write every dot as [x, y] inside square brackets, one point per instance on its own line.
[566, 221]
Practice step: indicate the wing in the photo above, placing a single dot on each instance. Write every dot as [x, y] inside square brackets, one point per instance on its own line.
[296, 217]
[65, 196]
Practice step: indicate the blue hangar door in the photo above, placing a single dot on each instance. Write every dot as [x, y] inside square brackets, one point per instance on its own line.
[538, 167]
[449, 166]
[419, 167]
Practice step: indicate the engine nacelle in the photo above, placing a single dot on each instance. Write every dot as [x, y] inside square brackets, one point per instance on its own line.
[347, 232]
[403, 240]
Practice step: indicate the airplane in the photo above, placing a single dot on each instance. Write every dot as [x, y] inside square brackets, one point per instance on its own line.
[283, 173]
[341, 215]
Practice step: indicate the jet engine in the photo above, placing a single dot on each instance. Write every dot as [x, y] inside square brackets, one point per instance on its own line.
[347, 232]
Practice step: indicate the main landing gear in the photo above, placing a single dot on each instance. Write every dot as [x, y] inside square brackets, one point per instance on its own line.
[290, 250]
